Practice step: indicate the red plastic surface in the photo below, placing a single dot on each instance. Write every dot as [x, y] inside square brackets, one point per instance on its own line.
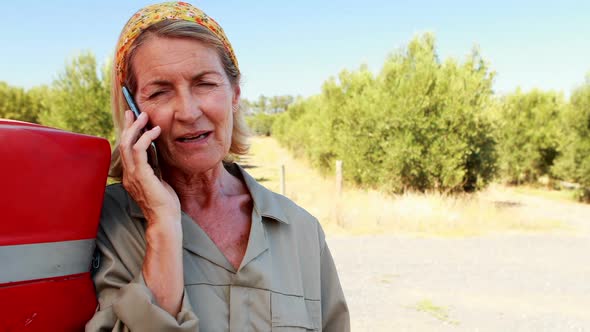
[57, 304]
[52, 183]
[52, 190]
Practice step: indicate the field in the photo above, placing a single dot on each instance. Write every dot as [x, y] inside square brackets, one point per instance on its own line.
[503, 260]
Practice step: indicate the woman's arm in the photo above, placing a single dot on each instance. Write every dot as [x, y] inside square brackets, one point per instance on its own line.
[335, 314]
[125, 300]
[162, 266]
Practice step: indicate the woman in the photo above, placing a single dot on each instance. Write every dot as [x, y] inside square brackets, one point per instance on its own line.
[206, 248]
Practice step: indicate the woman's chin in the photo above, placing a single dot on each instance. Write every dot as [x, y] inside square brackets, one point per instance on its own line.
[196, 164]
[193, 157]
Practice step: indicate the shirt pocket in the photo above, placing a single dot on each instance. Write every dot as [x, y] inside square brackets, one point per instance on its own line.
[290, 313]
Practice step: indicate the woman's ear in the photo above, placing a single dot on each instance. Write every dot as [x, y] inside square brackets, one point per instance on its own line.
[236, 98]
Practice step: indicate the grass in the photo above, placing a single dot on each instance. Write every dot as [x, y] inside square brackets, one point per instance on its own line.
[360, 211]
[438, 312]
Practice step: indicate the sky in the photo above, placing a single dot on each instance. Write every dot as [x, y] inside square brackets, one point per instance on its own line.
[292, 47]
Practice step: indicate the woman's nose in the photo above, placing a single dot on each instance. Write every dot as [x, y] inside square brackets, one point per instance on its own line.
[188, 108]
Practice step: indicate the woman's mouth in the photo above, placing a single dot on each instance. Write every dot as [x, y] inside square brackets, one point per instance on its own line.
[194, 137]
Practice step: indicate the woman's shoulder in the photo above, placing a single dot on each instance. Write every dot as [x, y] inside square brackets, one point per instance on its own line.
[276, 206]
[293, 211]
[118, 212]
[292, 218]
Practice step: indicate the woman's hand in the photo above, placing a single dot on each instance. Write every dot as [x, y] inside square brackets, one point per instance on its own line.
[161, 208]
[157, 199]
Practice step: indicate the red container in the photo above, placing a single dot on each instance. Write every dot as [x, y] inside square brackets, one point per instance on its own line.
[52, 191]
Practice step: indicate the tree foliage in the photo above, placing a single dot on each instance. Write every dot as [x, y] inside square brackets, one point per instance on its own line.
[419, 124]
[18, 104]
[270, 105]
[80, 99]
[574, 162]
[529, 132]
[261, 123]
[261, 113]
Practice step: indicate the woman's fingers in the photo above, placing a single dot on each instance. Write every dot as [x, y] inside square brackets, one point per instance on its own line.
[134, 126]
[140, 147]
[128, 118]
[129, 136]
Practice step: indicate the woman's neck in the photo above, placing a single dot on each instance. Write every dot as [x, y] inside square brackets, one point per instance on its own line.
[203, 190]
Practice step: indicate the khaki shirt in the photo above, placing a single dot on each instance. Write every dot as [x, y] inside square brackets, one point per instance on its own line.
[287, 280]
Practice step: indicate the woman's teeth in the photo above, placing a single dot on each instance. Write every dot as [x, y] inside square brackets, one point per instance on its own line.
[195, 138]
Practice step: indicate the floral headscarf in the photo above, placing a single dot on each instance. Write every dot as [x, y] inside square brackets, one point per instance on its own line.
[156, 13]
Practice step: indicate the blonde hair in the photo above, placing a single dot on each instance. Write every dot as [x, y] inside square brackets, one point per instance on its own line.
[174, 29]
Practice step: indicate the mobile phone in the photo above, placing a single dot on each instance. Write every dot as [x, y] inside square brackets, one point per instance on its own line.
[151, 151]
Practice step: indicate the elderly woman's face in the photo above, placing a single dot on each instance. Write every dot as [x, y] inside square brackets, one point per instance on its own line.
[182, 86]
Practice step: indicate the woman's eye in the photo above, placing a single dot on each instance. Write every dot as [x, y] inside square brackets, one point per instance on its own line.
[155, 94]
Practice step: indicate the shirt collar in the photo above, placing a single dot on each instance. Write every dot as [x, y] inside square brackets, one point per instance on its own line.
[265, 201]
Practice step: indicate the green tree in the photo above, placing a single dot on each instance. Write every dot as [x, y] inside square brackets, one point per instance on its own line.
[260, 105]
[419, 124]
[39, 97]
[279, 104]
[270, 105]
[18, 104]
[574, 162]
[80, 99]
[528, 134]
[261, 123]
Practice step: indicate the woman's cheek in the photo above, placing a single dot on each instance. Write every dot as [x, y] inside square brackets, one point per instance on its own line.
[158, 113]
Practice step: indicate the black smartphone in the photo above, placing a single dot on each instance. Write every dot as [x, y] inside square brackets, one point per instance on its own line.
[151, 151]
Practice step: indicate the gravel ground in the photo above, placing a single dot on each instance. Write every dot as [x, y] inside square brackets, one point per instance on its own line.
[510, 282]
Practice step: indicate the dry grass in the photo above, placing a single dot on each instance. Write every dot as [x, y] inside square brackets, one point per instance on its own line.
[371, 212]
[566, 195]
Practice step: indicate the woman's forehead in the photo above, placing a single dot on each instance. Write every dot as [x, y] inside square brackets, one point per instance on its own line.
[158, 56]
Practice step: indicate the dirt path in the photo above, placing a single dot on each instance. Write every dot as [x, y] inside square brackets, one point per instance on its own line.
[518, 282]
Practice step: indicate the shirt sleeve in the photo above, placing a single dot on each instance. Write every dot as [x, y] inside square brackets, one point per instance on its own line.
[125, 303]
[335, 315]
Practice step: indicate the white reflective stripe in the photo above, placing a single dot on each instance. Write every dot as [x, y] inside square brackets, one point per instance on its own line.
[45, 260]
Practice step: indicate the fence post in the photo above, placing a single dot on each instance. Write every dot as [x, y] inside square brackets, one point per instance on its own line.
[283, 190]
[339, 177]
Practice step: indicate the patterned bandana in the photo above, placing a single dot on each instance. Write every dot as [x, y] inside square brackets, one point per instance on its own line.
[153, 14]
